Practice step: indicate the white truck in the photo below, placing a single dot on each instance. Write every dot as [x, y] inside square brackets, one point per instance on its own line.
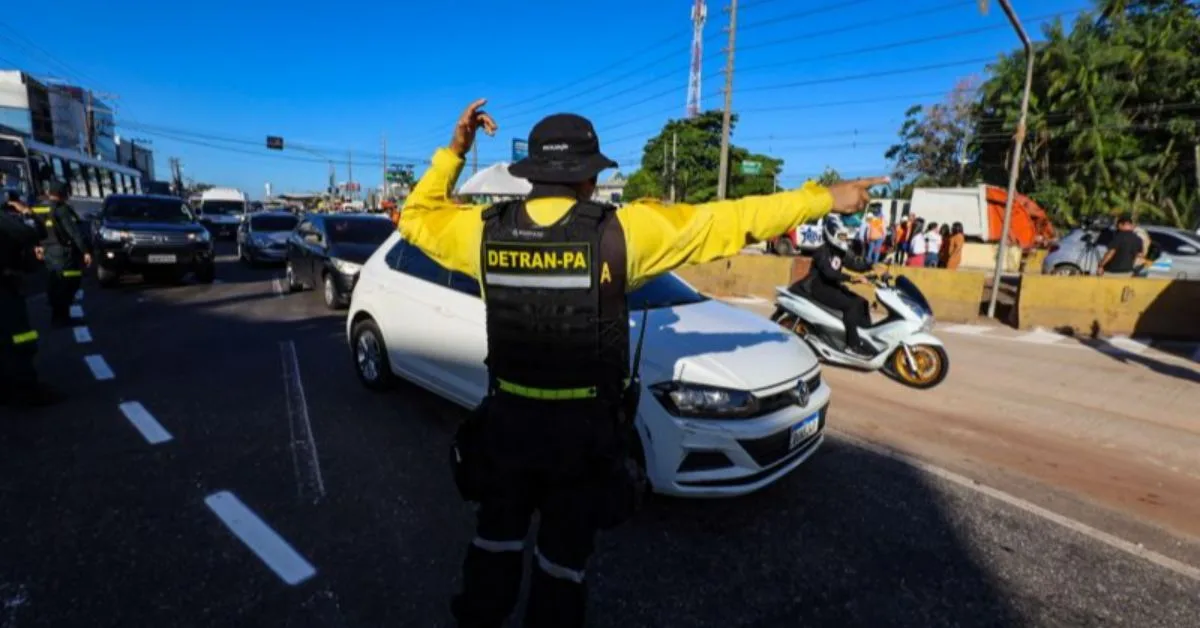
[221, 210]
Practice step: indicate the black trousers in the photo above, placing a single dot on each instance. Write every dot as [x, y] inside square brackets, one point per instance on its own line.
[61, 285]
[18, 341]
[855, 310]
[542, 457]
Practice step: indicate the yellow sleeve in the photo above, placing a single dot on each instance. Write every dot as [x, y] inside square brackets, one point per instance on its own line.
[450, 234]
[660, 238]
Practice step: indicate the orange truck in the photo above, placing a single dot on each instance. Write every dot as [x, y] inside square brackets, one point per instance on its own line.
[980, 209]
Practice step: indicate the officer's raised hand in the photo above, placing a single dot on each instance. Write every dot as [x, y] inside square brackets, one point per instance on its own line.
[470, 122]
[851, 197]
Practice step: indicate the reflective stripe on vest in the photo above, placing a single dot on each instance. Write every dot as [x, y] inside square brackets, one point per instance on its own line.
[546, 394]
[41, 209]
[71, 274]
[25, 337]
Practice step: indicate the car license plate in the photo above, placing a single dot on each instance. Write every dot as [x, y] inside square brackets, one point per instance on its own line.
[804, 430]
[160, 259]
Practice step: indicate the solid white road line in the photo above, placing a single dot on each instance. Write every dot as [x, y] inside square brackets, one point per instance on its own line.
[99, 367]
[1114, 542]
[1129, 345]
[76, 311]
[285, 561]
[1040, 336]
[151, 430]
[79, 294]
[972, 330]
[307, 465]
[82, 335]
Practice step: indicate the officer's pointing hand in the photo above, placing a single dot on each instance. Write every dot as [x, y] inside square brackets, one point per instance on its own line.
[850, 197]
[470, 122]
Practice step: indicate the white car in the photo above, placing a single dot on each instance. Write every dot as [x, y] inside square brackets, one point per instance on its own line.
[731, 402]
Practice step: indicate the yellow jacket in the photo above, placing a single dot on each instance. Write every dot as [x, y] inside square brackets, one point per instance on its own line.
[658, 238]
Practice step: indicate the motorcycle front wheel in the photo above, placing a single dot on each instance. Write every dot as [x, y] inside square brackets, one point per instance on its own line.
[932, 365]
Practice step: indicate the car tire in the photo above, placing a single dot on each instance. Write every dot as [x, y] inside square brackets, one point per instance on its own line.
[329, 293]
[207, 273]
[370, 356]
[107, 278]
[293, 284]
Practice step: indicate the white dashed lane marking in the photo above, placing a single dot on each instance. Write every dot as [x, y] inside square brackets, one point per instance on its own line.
[99, 367]
[83, 335]
[76, 311]
[271, 548]
[151, 429]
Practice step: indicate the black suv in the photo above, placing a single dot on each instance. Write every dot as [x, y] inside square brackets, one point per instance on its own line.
[150, 235]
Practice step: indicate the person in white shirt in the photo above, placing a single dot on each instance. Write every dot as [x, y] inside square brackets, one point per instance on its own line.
[916, 246]
[933, 245]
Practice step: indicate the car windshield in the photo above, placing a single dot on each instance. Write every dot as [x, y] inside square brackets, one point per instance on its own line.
[223, 207]
[148, 210]
[273, 223]
[359, 230]
[662, 292]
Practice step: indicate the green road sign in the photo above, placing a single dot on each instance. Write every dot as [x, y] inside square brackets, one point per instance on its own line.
[751, 167]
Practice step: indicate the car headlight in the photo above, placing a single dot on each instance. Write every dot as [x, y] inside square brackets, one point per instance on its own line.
[346, 268]
[710, 402]
[200, 236]
[114, 235]
[260, 240]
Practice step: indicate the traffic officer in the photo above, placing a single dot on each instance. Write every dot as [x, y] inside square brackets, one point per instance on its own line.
[554, 270]
[67, 252]
[18, 340]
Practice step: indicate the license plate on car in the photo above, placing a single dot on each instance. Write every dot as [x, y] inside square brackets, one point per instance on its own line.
[804, 430]
[160, 259]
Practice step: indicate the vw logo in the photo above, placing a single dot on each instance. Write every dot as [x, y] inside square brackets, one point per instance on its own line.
[800, 393]
[159, 238]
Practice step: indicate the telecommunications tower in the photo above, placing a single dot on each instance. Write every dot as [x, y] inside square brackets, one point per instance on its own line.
[699, 14]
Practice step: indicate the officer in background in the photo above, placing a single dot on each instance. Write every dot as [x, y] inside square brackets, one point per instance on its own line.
[18, 340]
[67, 252]
[554, 270]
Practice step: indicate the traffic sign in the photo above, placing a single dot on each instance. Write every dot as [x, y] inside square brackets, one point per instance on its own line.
[751, 167]
[274, 142]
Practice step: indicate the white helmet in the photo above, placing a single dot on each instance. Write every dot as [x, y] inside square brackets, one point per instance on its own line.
[836, 233]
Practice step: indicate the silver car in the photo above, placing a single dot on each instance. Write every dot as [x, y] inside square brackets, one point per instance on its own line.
[262, 237]
[1079, 253]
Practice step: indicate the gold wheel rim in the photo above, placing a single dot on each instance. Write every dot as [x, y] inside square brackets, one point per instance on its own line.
[928, 362]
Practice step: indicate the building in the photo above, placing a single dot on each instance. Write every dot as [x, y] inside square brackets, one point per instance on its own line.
[610, 191]
[137, 156]
[57, 114]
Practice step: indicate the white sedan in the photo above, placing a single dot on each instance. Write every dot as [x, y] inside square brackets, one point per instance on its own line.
[730, 403]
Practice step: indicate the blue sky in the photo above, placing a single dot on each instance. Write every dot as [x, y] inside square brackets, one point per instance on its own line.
[208, 84]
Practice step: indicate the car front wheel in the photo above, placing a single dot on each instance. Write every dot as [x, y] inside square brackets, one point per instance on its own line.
[329, 292]
[370, 356]
[107, 278]
[293, 282]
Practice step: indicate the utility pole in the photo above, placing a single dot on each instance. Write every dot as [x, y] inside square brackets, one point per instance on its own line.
[383, 186]
[1014, 170]
[1196, 154]
[90, 122]
[674, 161]
[349, 174]
[723, 171]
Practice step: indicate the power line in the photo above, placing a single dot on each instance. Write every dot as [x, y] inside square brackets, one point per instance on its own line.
[905, 16]
[787, 17]
[867, 75]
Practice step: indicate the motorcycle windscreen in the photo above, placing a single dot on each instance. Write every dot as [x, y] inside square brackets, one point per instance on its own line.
[913, 293]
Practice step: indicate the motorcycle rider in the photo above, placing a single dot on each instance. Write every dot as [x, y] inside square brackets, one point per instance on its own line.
[825, 284]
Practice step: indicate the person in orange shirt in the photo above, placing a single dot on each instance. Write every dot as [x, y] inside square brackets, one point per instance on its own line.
[875, 232]
[954, 247]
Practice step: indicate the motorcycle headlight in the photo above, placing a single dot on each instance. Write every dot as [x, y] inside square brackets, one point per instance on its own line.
[927, 323]
[346, 268]
[200, 236]
[709, 402]
[114, 235]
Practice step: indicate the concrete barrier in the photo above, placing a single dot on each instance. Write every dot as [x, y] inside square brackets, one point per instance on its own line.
[954, 295]
[740, 276]
[1156, 308]
[982, 256]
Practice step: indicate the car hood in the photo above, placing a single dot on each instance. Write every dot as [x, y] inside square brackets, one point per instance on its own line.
[276, 237]
[715, 344]
[353, 253]
[142, 225]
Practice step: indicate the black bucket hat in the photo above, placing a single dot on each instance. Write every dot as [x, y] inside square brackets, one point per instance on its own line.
[563, 148]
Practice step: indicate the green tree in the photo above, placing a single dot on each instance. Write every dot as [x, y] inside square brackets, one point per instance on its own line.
[829, 176]
[935, 148]
[688, 153]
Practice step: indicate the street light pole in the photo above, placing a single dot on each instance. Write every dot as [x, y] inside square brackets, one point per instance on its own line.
[1014, 170]
[726, 122]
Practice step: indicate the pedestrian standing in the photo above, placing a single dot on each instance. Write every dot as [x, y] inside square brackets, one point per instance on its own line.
[944, 250]
[916, 244]
[1123, 251]
[875, 233]
[553, 432]
[19, 385]
[67, 253]
[933, 245]
[954, 250]
[902, 233]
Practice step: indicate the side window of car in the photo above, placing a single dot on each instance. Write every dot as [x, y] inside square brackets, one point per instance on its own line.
[392, 259]
[464, 284]
[413, 261]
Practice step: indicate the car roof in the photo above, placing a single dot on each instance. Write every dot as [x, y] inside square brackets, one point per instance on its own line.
[351, 216]
[279, 214]
[153, 197]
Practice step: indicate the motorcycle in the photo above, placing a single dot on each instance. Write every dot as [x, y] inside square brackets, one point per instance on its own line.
[905, 350]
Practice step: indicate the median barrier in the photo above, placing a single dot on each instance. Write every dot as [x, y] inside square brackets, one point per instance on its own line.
[740, 276]
[1152, 308]
[954, 295]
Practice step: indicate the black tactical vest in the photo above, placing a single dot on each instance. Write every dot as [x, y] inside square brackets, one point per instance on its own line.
[557, 317]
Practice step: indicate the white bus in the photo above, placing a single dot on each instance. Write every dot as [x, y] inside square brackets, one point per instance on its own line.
[28, 167]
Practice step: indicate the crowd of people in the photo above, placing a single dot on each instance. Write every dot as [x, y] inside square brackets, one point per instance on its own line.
[910, 242]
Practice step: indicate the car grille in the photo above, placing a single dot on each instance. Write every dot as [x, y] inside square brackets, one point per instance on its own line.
[160, 239]
[771, 449]
[767, 405]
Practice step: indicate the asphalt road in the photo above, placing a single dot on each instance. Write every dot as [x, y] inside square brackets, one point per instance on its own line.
[105, 524]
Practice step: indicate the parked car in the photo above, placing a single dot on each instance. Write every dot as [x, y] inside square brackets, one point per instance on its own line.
[731, 402]
[263, 237]
[328, 250]
[150, 235]
[1175, 253]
